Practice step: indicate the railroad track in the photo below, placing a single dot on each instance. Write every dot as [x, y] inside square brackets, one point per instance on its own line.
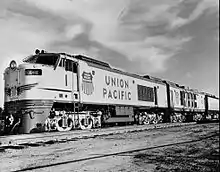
[38, 139]
[115, 154]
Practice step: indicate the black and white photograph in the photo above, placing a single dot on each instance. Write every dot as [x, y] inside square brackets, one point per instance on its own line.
[109, 85]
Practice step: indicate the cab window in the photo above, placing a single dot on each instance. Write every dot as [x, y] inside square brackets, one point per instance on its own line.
[62, 64]
[69, 65]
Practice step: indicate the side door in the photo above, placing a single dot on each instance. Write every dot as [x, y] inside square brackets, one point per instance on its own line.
[155, 96]
[71, 78]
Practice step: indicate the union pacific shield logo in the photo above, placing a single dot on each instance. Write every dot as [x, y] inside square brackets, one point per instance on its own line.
[87, 85]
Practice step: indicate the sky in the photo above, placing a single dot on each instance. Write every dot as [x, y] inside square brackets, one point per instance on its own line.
[176, 40]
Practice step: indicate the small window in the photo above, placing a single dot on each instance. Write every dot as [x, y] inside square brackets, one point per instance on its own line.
[182, 97]
[70, 66]
[177, 98]
[194, 96]
[155, 94]
[188, 96]
[145, 93]
[61, 63]
[75, 96]
[195, 101]
[75, 67]
[192, 100]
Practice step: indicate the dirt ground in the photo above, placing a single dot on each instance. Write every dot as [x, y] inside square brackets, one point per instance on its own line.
[187, 148]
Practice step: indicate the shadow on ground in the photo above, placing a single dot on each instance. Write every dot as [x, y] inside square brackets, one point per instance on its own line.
[202, 156]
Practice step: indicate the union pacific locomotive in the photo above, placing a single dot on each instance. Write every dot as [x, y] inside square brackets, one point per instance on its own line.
[58, 91]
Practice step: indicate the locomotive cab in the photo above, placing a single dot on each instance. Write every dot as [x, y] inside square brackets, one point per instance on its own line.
[69, 70]
[33, 87]
[58, 74]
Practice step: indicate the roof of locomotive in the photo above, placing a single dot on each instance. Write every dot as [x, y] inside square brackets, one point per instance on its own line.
[88, 59]
[106, 66]
[98, 64]
[103, 65]
[170, 83]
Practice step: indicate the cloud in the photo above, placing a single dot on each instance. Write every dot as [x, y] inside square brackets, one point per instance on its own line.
[21, 33]
[202, 6]
[152, 53]
[73, 31]
[189, 75]
[169, 14]
[136, 30]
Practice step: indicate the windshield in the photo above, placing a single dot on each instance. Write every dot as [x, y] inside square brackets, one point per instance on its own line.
[47, 59]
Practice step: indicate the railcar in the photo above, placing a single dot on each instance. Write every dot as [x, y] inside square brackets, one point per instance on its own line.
[212, 107]
[185, 104]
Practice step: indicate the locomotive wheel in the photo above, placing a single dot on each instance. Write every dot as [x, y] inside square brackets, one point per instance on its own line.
[86, 124]
[156, 119]
[183, 118]
[197, 117]
[143, 119]
[179, 117]
[50, 125]
[140, 120]
[60, 127]
[173, 118]
[146, 120]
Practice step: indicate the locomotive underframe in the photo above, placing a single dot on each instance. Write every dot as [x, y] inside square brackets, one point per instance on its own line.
[34, 115]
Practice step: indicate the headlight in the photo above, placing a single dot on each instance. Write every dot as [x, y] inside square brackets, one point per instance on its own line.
[13, 64]
[33, 72]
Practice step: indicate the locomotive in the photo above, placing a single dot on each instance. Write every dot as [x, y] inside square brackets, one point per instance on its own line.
[59, 91]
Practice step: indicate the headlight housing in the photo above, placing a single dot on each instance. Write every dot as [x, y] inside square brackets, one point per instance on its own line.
[13, 64]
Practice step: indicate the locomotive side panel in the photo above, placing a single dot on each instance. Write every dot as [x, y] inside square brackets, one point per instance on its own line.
[100, 86]
[106, 86]
[175, 101]
[200, 101]
[155, 94]
[162, 96]
[213, 104]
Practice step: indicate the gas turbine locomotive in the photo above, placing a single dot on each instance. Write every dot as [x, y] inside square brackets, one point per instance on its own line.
[58, 91]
